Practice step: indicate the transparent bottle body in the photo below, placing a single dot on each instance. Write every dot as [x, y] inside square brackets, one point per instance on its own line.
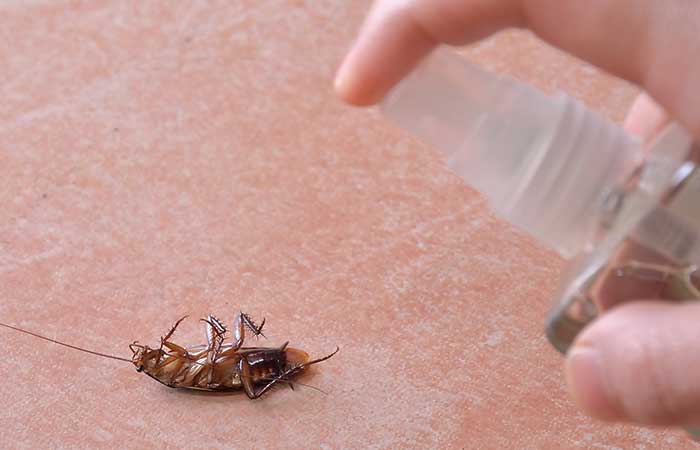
[545, 163]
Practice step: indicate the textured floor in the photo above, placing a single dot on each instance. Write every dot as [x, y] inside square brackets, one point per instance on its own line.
[162, 158]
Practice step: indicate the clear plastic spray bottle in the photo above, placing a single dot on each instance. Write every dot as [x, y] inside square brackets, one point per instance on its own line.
[622, 214]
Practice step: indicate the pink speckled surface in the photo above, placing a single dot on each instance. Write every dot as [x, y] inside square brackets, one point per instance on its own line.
[162, 158]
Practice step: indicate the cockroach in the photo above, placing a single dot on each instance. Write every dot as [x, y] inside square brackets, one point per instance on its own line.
[217, 366]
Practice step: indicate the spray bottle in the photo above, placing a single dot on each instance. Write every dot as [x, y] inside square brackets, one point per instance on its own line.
[622, 213]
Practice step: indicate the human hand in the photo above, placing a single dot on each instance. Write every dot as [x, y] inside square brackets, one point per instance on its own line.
[638, 361]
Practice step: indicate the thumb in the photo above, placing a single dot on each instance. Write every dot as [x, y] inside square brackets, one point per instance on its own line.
[639, 362]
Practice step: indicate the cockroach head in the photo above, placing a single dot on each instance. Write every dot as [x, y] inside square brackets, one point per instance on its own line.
[138, 351]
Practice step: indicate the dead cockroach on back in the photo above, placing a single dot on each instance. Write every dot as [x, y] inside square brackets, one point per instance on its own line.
[217, 366]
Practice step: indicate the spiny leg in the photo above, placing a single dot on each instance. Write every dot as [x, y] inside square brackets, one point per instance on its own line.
[321, 359]
[174, 348]
[173, 328]
[165, 339]
[215, 331]
[283, 377]
[296, 369]
[240, 323]
[256, 330]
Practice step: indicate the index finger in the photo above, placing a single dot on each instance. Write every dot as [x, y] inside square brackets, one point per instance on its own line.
[646, 42]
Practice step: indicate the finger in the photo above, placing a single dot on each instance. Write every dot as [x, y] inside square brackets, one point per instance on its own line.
[639, 363]
[397, 34]
[647, 42]
[646, 118]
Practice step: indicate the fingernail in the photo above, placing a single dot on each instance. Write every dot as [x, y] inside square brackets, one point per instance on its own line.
[586, 375]
[340, 84]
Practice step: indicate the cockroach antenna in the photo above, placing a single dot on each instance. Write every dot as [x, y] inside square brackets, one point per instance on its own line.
[54, 341]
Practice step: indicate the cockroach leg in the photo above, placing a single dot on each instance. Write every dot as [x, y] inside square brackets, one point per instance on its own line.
[316, 361]
[247, 379]
[137, 351]
[256, 330]
[135, 347]
[215, 331]
[215, 336]
[238, 332]
[173, 328]
[174, 348]
[218, 328]
[284, 377]
[169, 334]
[240, 323]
